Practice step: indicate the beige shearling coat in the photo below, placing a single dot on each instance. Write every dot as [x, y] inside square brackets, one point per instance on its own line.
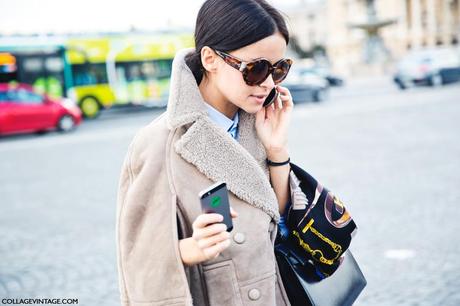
[168, 163]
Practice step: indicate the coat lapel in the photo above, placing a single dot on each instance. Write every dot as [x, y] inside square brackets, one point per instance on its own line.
[213, 151]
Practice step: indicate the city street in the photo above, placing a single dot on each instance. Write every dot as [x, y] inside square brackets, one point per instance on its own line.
[393, 157]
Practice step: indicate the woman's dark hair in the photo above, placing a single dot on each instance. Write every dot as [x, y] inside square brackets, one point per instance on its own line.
[228, 25]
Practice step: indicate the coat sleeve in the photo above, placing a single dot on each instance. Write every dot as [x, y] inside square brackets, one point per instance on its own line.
[150, 269]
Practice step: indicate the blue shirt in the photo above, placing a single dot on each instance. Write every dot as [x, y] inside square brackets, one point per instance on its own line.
[284, 231]
[230, 126]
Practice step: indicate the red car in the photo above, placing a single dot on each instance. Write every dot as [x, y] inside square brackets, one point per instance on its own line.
[23, 110]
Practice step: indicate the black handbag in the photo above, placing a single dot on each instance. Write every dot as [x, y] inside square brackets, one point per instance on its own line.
[313, 259]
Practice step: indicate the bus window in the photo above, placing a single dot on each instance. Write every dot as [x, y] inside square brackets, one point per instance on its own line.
[89, 74]
[163, 68]
[33, 68]
[148, 70]
[134, 72]
[54, 65]
[44, 72]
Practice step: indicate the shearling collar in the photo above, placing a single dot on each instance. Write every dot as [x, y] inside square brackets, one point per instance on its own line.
[213, 151]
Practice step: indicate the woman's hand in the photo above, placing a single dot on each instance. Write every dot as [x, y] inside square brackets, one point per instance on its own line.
[272, 124]
[209, 239]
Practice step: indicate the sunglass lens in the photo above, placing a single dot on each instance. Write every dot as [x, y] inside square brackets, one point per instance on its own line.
[257, 72]
[281, 71]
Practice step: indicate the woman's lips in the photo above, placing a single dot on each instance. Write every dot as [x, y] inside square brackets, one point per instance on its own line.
[259, 98]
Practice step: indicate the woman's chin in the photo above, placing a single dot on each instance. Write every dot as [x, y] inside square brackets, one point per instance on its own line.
[251, 108]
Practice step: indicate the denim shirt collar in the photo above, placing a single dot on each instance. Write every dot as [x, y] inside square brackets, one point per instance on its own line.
[220, 119]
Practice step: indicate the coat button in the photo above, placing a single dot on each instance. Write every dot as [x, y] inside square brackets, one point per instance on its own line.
[254, 294]
[239, 238]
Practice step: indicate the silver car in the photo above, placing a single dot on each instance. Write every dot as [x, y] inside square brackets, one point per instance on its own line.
[305, 85]
[428, 67]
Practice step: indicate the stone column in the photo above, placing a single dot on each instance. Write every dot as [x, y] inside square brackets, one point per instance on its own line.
[403, 30]
[457, 24]
[431, 22]
[447, 22]
[458, 21]
[416, 23]
[458, 11]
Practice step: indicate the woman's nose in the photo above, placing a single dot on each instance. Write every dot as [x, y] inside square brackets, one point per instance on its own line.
[268, 83]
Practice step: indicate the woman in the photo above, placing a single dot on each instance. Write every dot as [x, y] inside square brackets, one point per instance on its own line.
[215, 129]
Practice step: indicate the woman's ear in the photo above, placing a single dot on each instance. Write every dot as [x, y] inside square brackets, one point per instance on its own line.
[209, 59]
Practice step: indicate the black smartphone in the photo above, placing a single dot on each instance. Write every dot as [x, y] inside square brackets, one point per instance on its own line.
[272, 96]
[214, 199]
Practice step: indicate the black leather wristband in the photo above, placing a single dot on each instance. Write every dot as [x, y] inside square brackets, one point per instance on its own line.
[275, 164]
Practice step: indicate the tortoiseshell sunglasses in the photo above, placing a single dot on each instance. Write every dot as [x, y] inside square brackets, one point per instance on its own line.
[256, 72]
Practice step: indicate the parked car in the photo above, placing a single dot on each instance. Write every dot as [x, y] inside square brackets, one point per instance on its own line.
[22, 110]
[324, 72]
[432, 67]
[306, 85]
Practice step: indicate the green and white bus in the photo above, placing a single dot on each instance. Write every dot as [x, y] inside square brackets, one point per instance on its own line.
[100, 71]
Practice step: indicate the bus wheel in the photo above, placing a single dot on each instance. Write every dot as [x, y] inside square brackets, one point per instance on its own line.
[90, 107]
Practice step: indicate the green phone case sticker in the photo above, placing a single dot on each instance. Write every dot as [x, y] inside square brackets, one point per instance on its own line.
[215, 202]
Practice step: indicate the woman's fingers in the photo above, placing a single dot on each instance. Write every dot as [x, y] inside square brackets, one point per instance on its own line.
[210, 235]
[209, 230]
[214, 251]
[212, 240]
[204, 219]
[277, 104]
[270, 111]
[283, 90]
[285, 96]
[284, 99]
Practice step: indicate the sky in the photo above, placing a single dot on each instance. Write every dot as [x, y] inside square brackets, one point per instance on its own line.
[73, 16]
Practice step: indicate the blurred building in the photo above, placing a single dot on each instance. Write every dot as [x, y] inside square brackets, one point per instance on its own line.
[334, 25]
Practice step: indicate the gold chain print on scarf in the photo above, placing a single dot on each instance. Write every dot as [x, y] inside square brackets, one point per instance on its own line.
[318, 254]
